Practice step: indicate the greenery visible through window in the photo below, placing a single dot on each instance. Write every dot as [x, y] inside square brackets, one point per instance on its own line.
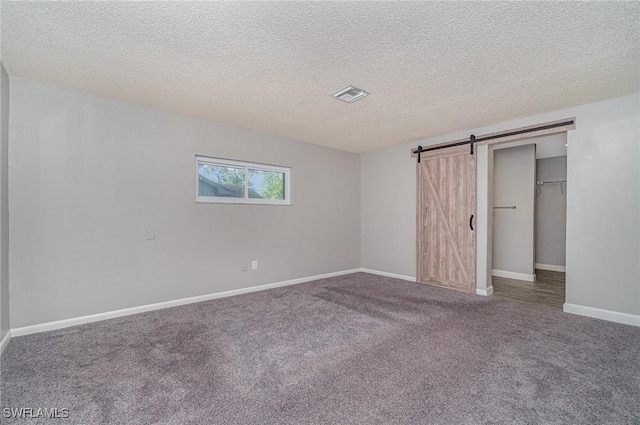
[226, 181]
[266, 184]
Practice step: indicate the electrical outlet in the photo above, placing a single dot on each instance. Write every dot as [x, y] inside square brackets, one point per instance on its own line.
[245, 268]
[254, 265]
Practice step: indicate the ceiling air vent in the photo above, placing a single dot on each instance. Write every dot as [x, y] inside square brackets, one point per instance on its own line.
[350, 94]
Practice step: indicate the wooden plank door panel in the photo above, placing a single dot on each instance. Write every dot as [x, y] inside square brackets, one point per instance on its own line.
[446, 201]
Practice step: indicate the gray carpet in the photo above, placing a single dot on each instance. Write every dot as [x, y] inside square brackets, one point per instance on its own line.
[356, 349]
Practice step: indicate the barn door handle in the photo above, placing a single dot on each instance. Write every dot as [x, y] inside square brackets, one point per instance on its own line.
[471, 221]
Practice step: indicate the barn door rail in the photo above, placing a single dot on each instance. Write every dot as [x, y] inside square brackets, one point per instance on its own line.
[520, 133]
[471, 142]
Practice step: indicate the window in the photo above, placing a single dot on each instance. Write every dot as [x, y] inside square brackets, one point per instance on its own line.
[226, 181]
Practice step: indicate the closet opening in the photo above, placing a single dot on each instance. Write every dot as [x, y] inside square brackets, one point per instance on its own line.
[529, 220]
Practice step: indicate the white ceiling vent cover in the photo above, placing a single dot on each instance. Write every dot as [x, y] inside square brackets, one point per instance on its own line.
[350, 94]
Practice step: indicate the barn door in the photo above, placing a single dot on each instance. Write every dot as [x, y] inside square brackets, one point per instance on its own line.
[446, 240]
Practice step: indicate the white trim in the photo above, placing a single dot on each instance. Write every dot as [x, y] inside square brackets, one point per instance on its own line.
[387, 274]
[550, 267]
[5, 341]
[485, 292]
[514, 275]
[598, 313]
[60, 324]
[484, 221]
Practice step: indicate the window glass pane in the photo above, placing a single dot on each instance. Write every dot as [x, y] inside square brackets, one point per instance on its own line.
[266, 184]
[221, 181]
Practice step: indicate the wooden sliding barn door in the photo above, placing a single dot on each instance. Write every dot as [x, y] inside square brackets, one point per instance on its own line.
[446, 240]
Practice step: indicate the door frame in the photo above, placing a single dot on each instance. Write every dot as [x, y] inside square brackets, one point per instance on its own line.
[484, 206]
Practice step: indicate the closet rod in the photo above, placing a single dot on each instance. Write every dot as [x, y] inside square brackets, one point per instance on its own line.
[551, 181]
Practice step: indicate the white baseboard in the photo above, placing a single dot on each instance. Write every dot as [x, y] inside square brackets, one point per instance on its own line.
[513, 275]
[5, 341]
[550, 267]
[484, 292]
[60, 324]
[387, 274]
[612, 316]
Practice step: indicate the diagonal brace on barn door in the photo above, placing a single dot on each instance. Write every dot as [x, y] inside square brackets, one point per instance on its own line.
[450, 235]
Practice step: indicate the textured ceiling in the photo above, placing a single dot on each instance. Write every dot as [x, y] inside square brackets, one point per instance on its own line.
[431, 68]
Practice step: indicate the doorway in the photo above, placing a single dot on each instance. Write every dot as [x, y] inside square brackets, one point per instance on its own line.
[529, 220]
[479, 209]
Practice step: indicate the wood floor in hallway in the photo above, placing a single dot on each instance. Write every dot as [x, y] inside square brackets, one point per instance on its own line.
[548, 289]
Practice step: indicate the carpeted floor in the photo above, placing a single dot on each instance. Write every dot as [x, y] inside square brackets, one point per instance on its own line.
[356, 349]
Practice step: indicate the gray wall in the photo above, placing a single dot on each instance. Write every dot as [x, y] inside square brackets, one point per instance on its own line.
[89, 176]
[603, 203]
[551, 212]
[5, 322]
[603, 207]
[388, 211]
[514, 176]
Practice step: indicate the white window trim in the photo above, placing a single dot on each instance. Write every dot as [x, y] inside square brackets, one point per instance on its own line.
[246, 166]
